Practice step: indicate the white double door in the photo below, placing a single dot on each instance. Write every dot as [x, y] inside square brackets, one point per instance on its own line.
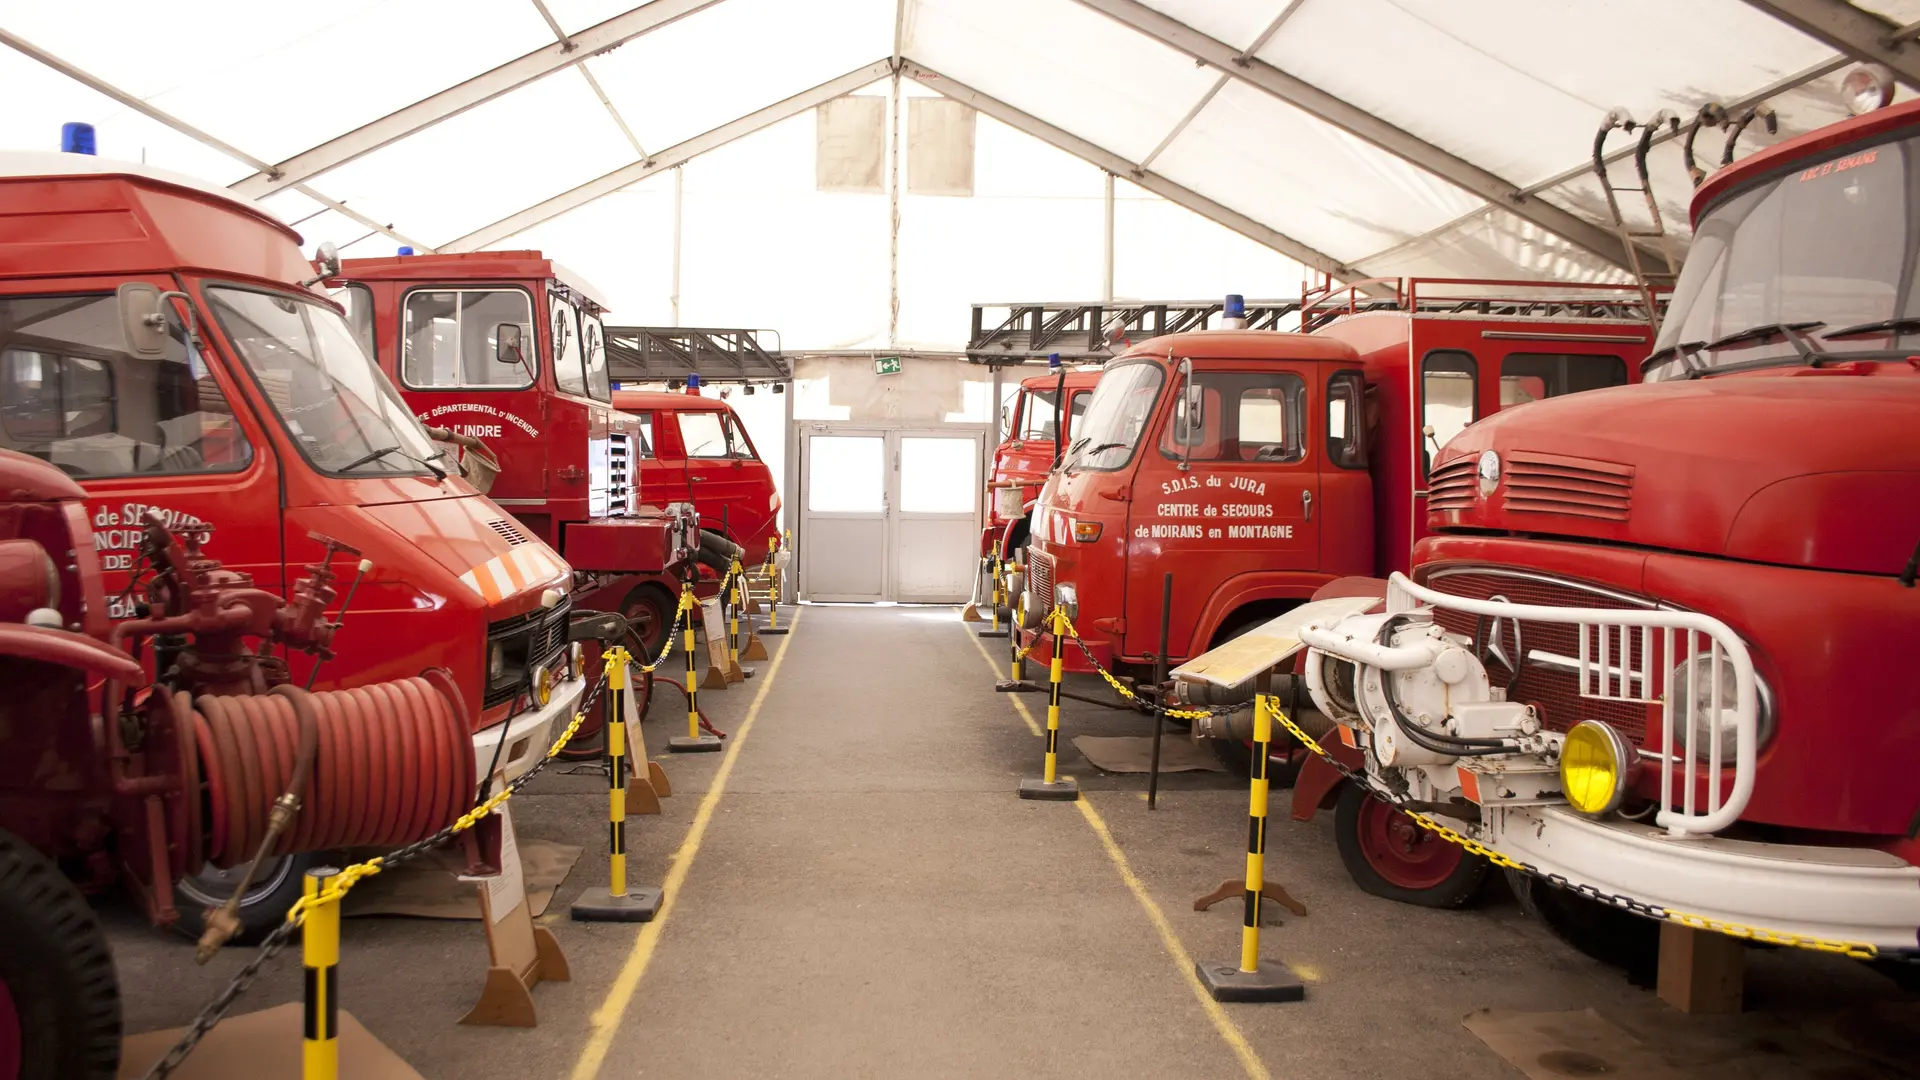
[890, 514]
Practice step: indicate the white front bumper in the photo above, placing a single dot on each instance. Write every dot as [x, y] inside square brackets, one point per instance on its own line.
[529, 734]
[1835, 893]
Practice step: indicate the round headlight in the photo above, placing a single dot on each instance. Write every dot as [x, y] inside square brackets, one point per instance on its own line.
[496, 662]
[543, 686]
[1692, 681]
[1594, 762]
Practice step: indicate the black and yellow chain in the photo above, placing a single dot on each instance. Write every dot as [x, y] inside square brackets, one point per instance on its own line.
[337, 886]
[1858, 950]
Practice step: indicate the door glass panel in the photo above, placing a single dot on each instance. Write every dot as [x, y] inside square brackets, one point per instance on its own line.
[453, 339]
[1528, 377]
[703, 435]
[1449, 399]
[845, 474]
[1243, 416]
[937, 475]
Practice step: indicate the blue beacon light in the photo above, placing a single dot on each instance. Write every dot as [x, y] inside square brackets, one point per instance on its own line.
[1236, 306]
[77, 138]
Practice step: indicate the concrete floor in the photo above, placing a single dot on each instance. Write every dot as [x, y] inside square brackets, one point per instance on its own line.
[868, 898]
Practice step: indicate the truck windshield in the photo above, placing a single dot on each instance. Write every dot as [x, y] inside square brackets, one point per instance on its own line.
[1122, 403]
[1814, 258]
[344, 415]
[1040, 413]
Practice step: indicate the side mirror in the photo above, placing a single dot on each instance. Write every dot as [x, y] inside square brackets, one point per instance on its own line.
[1191, 400]
[143, 320]
[326, 259]
[507, 343]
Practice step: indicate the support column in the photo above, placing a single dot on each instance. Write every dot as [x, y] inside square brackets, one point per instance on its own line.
[678, 173]
[1106, 264]
[893, 200]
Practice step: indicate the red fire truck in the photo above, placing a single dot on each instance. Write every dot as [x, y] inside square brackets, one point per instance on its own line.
[158, 348]
[1257, 466]
[1671, 622]
[697, 451]
[1025, 456]
[507, 348]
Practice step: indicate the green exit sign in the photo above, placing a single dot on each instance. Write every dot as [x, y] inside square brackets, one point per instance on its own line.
[886, 365]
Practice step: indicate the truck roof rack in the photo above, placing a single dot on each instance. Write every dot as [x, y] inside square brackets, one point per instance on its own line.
[1017, 333]
[656, 353]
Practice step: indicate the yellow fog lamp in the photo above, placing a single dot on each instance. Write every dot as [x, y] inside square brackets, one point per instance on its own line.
[543, 685]
[1595, 766]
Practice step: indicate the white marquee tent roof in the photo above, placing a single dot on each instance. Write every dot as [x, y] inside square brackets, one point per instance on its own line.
[1249, 138]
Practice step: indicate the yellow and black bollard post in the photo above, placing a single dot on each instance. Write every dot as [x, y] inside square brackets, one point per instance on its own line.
[1052, 786]
[693, 742]
[320, 946]
[735, 576]
[999, 601]
[1253, 980]
[773, 589]
[621, 904]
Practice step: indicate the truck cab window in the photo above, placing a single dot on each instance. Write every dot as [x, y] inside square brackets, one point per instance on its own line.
[704, 434]
[564, 324]
[1039, 415]
[358, 300]
[72, 396]
[646, 433]
[1449, 399]
[1243, 416]
[1528, 377]
[451, 340]
[593, 344]
[1346, 420]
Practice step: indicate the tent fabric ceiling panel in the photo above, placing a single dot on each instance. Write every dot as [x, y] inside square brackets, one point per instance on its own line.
[1060, 62]
[1497, 244]
[731, 59]
[40, 99]
[1306, 178]
[1238, 24]
[1164, 251]
[623, 244]
[276, 86]
[488, 161]
[1472, 75]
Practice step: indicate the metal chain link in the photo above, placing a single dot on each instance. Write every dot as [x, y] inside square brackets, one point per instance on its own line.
[1858, 950]
[337, 886]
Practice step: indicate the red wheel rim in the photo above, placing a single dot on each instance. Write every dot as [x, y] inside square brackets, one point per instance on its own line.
[1403, 853]
[11, 1049]
[643, 616]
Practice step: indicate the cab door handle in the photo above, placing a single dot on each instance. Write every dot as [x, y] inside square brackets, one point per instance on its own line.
[1306, 503]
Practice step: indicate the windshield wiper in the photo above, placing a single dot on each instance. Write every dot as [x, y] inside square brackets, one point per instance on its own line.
[1106, 446]
[438, 472]
[1897, 326]
[1793, 332]
[1687, 351]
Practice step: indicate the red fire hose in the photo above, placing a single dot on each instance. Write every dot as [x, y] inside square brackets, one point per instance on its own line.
[394, 764]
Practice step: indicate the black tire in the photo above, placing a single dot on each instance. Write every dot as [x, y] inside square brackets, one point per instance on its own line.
[1601, 931]
[1433, 880]
[649, 613]
[56, 974]
[273, 891]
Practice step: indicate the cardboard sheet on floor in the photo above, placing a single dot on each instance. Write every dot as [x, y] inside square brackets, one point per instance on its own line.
[264, 1045]
[1134, 753]
[430, 887]
[1557, 1046]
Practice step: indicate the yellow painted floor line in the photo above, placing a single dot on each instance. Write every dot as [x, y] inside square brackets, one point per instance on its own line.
[1018, 705]
[1222, 1023]
[606, 1019]
[1182, 960]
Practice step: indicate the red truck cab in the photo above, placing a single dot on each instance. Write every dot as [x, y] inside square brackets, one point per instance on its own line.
[697, 451]
[159, 346]
[1305, 457]
[1764, 486]
[1024, 458]
[508, 347]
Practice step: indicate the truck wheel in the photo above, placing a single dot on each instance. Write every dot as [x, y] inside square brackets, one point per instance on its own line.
[649, 611]
[274, 890]
[1389, 856]
[59, 998]
[1602, 931]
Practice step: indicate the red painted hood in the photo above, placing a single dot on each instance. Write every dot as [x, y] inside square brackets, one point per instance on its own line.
[470, 538]
[1797, 467]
